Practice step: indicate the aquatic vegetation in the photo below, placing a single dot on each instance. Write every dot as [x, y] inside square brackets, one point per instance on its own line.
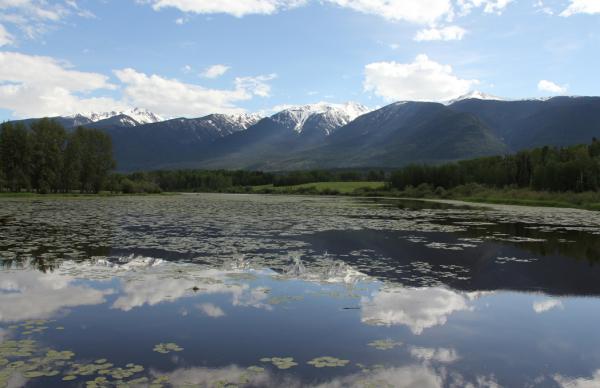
[251, 258]
[167, 348]
[386, 344]
[328, 362]
[280, 362]
[505, 260]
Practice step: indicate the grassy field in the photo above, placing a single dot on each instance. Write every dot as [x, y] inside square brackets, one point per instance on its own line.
[320, 187]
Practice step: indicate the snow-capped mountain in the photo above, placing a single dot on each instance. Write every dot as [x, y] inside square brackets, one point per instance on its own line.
[229, 123]
[475, 95]
[134, 117]
[322, 116]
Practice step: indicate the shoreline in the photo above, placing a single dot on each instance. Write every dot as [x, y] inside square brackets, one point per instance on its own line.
[391, 195]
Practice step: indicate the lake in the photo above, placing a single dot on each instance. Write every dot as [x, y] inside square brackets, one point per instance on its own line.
[215, 290]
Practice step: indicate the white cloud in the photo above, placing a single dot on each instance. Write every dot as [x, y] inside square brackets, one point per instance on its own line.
[489, 6]
[421, 80]
[551, 87]
[33, 86]
[582, 6]
[34, 17]
[419, 12]
[441, 355]
[257, 85]
[425, 12]
[211, 310]
[236, 8]
[5, 37]
[445, 33]
[36, 86]
[418, 308]
[541, 7]
[170, 97]
[547, 305]
[215, 71]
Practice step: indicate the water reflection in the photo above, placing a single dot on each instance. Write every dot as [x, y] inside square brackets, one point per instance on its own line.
[547, 305]
[252, 290]
[581, 382]
[37, 295]
[417, 308]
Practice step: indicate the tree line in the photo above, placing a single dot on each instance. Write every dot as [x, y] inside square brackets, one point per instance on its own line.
[229, 181]
[559, 169]
[47, 159]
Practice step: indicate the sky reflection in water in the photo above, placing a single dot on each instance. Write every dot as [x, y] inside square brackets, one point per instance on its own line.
[254, 291]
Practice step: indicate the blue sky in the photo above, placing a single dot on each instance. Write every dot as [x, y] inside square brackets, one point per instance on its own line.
[194, 57]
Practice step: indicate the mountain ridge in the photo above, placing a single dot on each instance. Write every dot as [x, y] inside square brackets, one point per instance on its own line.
[351, 135]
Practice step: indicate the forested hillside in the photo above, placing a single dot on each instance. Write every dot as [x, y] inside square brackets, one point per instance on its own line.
[575, 168]
[47, 159]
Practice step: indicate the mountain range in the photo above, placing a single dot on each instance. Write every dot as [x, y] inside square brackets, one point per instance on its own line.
[346, 135]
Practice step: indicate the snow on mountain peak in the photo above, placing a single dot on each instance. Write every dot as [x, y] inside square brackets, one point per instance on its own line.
[242, 120]
[330, 116]
[139, 115]
[475, 95]
[143, 116]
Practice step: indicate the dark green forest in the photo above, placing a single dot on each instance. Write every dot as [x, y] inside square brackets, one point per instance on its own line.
[46, 159]
[575, 168]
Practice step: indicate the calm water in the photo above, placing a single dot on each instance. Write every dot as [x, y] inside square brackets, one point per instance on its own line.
[224, 290]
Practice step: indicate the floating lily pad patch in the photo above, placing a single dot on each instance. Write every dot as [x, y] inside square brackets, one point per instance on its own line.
[327, 362]
[167, 348]
[280, 362]
[386, 344]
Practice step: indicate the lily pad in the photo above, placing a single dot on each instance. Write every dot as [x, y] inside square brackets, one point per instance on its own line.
[327, 362]
[167, 348]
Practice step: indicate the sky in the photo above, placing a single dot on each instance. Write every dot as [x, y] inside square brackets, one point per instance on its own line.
[190, 58]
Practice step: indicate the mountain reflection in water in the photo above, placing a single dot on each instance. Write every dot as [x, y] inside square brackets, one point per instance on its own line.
[299, 291]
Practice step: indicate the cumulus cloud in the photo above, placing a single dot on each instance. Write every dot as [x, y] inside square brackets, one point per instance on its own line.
[418, 308]
[551, 87]
[421, 80]
[547, 305]
[211, 310]
[590, 7]
[420, 12]
[235, 8]
[42, 86]
[171, 97]
[5, 37]
[36, 86]
[425, 12]
[444, 33]
[489, 6]
[215, 71]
